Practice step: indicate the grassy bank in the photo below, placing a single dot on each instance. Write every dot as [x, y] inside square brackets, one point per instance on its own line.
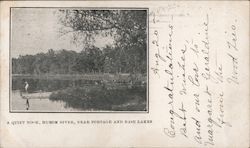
[99, 98]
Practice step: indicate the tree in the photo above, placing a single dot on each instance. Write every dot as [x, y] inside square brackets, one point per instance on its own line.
[126, 27]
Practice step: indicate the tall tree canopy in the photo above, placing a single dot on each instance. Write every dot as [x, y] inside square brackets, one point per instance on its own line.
[127, 27]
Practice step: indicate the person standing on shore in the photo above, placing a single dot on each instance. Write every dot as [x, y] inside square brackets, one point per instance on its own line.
[27, 100]
[26, 86]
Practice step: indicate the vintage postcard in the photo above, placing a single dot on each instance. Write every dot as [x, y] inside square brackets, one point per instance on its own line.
[124, 74]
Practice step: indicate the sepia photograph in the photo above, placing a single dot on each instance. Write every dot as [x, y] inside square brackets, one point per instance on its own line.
[78, 59]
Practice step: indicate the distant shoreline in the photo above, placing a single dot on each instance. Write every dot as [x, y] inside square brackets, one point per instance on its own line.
[104, 76]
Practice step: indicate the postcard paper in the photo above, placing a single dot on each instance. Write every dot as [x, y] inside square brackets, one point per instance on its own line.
[124, 74]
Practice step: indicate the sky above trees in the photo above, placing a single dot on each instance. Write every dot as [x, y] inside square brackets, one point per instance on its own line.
[36, 30]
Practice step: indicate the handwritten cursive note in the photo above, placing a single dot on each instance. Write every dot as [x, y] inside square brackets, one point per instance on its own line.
[196, 63]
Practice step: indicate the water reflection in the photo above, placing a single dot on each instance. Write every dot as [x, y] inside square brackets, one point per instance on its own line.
[81, 95]
[22, 103]
[46, 85]
[33, 94]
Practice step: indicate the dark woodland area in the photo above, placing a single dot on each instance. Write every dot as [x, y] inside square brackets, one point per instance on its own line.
[90, 60]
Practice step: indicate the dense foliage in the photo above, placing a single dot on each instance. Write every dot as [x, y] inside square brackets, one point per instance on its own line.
[127, 27]
[98, 98]
[90, 60]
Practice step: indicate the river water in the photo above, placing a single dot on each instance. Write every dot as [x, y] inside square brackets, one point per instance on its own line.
[36, 99]
[18, 103]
